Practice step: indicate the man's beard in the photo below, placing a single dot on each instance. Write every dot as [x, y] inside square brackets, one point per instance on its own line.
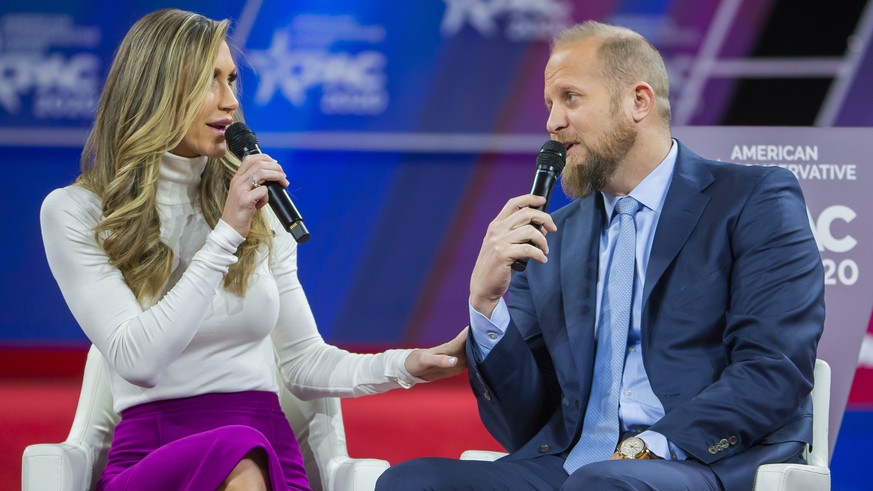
[581, 179]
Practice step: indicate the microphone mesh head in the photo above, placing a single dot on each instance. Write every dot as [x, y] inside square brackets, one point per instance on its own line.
[240, 139]
[553, 154]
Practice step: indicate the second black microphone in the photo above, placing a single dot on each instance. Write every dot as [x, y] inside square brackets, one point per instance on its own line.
[550, 163]
[242, 142]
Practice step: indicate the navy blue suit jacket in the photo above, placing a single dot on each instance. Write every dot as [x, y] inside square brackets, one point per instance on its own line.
[733, 307]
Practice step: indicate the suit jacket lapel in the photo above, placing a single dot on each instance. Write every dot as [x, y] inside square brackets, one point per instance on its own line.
[580, 244]
[682, 210]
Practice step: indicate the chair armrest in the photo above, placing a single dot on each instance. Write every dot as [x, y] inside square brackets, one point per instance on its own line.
[55, 467]
[792, 477]
[355, 474]
[487, 455]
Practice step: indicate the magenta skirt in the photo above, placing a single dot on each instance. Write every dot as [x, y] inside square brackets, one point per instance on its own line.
[195, 442]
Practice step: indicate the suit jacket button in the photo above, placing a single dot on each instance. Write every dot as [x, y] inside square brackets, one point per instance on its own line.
[723, 444]
[713, 450]
[732, 440]
[544, 448]
[485, 393]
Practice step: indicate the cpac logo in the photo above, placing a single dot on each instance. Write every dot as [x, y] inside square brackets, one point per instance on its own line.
[62, 87]
[844, 271]
[525, 19]
[350, 83]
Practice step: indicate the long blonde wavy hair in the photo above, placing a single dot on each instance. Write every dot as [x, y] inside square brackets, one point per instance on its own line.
[158, 79]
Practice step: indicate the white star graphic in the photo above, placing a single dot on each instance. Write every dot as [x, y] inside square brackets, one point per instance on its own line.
[477, 12]
[277, 68]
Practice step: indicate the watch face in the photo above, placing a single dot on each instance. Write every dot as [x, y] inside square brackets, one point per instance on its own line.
[632, 447]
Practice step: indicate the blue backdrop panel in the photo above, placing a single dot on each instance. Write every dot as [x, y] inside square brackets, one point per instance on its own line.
[403, 126]
[32, 306]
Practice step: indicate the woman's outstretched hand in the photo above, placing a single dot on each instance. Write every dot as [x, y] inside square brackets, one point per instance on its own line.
[446, 360]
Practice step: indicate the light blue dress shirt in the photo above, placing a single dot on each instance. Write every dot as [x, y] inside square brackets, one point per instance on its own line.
[638, 405]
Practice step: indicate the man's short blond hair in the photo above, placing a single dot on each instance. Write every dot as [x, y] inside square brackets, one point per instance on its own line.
[626, 58]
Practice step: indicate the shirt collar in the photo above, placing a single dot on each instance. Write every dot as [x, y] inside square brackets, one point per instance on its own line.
[651, 192]
[179, 179]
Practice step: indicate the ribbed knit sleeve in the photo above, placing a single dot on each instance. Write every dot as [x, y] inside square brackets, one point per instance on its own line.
[138, 343]
[310, 367]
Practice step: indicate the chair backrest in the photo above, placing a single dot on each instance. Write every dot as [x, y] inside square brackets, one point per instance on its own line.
[817, 453]
[95, 420]
[317, 424]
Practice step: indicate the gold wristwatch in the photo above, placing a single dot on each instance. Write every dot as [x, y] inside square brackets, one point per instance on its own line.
[633, 448]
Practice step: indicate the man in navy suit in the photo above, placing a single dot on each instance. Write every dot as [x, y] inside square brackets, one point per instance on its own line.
[723, 309]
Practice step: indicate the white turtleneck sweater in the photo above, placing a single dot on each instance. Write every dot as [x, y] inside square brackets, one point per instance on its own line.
[199, 338]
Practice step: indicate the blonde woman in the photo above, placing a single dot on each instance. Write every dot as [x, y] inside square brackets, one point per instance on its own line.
[168, 259]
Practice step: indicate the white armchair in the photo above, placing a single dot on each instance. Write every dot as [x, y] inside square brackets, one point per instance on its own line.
[75, 464]
[815, 475]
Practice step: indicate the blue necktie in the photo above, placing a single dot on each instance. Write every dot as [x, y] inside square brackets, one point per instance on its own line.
[600, 429]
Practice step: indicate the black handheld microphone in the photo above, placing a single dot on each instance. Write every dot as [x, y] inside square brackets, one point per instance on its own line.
[242, 142]
[550, 163]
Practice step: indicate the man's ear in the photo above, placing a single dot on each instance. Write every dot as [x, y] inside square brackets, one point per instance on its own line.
[644, 101]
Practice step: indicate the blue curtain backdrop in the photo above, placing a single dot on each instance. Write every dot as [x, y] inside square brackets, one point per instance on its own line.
[403, 127]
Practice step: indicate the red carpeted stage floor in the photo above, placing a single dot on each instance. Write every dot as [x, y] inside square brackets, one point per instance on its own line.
[438, 419]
